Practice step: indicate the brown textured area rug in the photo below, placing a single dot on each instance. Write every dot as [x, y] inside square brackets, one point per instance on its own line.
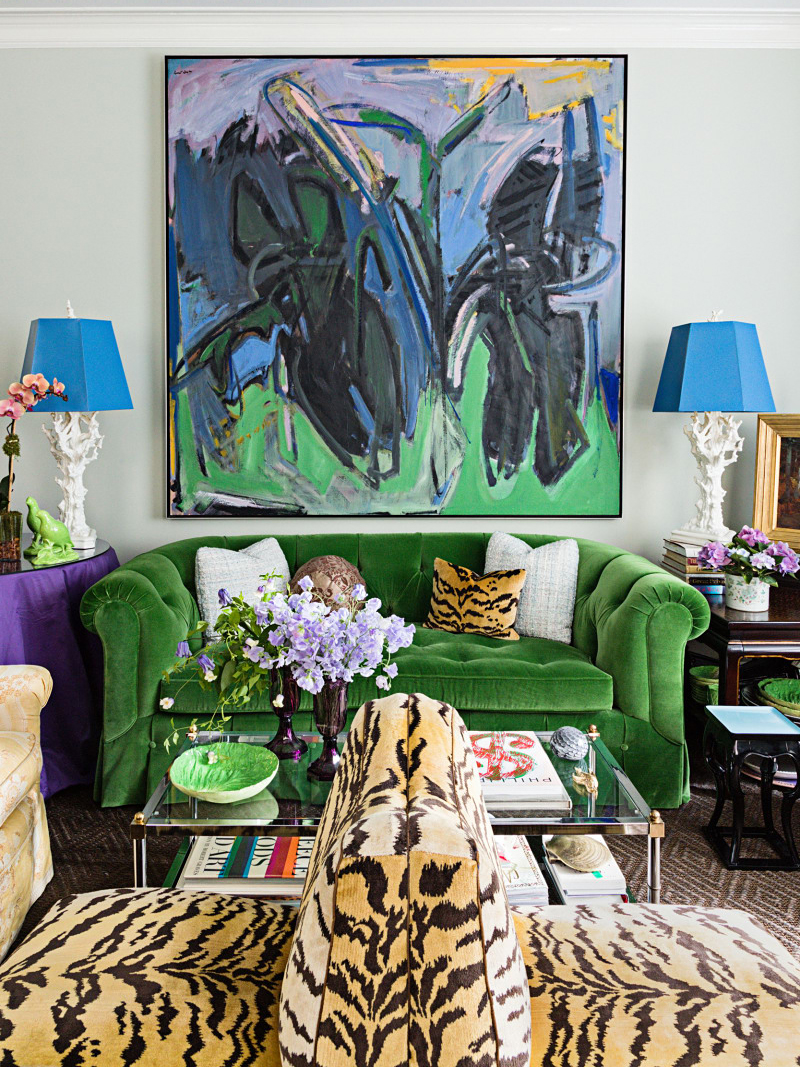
[91, 850]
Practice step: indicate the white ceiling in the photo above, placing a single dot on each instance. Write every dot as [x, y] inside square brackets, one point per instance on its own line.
[432, 5]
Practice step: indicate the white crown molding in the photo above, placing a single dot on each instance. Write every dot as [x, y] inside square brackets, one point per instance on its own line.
[416, 28]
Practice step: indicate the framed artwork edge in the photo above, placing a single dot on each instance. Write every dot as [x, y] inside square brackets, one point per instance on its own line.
[771, 429]
[298, 510]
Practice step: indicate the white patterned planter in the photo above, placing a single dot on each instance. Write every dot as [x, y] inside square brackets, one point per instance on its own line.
[743, 596]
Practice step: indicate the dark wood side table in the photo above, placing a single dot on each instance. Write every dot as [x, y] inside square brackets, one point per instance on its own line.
[732, 735]
[735, 634]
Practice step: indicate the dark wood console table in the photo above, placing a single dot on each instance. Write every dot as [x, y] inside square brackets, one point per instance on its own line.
[733, 635]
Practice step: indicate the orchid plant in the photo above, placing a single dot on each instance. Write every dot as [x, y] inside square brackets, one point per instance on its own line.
[300, 633]
[22, 397]
[752, 556]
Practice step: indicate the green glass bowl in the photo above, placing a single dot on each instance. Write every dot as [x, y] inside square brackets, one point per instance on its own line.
[704, 684]
[239, 772]
[785, 691]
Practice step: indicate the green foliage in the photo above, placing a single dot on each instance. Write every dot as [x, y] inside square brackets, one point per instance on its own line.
[237, 676]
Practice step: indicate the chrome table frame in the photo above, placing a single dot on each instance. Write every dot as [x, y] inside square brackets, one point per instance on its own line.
[504, 821]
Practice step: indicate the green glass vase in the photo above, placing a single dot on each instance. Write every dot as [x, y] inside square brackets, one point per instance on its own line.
[10, 535]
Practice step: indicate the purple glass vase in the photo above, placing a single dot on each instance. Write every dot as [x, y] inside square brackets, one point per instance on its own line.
[286, 744]
[330, 715]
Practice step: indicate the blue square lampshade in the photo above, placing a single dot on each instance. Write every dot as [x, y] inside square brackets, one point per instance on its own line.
[714, 366]
[83, 354]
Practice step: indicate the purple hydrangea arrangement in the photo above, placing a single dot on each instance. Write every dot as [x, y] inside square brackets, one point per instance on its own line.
[751, 555]
[297, 637]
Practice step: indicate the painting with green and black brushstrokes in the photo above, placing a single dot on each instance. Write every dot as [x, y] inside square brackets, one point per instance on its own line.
[395, 285]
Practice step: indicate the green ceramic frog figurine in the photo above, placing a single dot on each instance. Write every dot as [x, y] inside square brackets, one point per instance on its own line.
[51, 540]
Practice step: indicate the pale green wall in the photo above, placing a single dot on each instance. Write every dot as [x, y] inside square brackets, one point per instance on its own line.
[713, 221]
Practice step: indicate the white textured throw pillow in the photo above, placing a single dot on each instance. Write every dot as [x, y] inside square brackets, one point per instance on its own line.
[238, 572]
[547, 600]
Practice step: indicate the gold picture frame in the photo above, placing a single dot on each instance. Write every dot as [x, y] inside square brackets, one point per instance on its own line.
[776, 495]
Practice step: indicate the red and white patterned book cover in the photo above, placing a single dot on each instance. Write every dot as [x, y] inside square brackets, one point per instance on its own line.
[515, 767]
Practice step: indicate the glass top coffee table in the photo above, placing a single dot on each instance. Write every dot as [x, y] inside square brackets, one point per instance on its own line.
[292, 805]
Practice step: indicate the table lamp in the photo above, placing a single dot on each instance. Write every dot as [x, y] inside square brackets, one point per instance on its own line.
[83, 354]
[711, 367]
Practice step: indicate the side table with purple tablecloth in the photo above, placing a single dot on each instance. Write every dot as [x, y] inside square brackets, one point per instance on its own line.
[40, 624]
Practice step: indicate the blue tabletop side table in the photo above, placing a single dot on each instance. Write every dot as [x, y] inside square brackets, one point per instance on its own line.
[732, 734]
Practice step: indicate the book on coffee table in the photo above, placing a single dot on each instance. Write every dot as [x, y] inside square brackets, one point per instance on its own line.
[516, 771]
[254, 866]
[525, 884]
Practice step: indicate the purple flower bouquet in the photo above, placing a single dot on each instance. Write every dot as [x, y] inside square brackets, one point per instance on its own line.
[750, 555]
[305, 644]
[751, 564]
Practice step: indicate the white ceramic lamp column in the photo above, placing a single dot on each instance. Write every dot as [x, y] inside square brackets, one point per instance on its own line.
[711, 368]
[83, 354]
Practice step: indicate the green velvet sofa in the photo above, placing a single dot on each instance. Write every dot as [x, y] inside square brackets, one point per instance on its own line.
[623, 671]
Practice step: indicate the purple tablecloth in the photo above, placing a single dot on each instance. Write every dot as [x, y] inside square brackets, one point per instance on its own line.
[40, 623]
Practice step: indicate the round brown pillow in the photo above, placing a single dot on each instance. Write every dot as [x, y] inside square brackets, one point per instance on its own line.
[331, 576]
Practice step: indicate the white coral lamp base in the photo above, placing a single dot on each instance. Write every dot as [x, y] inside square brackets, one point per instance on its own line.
[716, 443]
[75, 440]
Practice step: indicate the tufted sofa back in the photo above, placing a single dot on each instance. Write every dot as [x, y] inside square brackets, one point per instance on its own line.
[398, 567]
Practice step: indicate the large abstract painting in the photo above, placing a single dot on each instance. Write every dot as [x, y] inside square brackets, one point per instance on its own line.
[395, 285]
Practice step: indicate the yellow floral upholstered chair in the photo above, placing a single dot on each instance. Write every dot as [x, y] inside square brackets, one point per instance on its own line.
[25, 863]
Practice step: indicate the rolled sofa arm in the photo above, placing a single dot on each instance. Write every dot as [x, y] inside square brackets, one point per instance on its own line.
[140, 612]
[644, 618]
[24, 691]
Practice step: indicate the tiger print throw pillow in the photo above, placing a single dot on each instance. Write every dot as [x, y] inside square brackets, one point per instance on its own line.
[467, 603]
[405, 950]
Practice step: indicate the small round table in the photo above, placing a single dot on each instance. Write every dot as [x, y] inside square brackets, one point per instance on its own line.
[39, 608]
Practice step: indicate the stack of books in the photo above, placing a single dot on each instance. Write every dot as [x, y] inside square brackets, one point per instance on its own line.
[524, 881]
[273, 867]
[519, 774]
[276, 867]
[681, 559]
[605, 885]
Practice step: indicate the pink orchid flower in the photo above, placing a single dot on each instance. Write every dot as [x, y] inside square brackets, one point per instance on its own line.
[17, 391]
[11, 409]
[58, 387]
[37, 382]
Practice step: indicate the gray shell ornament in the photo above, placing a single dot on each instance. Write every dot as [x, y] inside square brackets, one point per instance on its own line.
[569, 743]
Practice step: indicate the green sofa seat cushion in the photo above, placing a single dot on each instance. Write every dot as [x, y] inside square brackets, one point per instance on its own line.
[475, 673]
[470, 672]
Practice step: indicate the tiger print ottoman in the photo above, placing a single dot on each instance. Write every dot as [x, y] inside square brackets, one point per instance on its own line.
[405, 950]
[147, 978]
[643, 985]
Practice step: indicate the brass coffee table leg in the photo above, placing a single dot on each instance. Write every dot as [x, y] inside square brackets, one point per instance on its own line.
[139, 842]
[654, 834]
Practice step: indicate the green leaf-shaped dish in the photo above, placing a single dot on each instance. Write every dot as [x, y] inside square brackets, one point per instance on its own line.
[238, 773]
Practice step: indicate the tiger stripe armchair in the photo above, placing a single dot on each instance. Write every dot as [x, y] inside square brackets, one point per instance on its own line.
[404, 951]
[25, 863]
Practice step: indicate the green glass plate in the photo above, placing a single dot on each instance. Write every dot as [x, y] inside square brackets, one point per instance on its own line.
[238, 772]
